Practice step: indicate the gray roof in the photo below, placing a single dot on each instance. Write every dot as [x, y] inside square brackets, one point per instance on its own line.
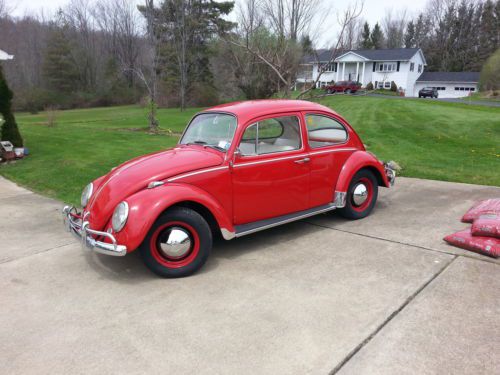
[472, 77]
[392, 54]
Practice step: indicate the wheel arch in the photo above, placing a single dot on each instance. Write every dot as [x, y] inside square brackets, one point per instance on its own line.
[357, 161]
[203, 211]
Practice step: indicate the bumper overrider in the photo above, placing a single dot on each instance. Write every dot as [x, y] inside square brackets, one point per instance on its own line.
[91, 239]
[390, 173]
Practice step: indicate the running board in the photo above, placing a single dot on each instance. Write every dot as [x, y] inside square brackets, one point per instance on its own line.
[244, 229]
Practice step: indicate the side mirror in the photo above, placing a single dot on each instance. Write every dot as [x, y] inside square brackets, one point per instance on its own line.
[237, 153]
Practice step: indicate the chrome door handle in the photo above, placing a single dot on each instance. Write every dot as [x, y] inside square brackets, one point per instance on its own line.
[302, 161]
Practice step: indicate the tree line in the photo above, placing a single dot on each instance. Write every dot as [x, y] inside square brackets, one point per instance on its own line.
[188, 53]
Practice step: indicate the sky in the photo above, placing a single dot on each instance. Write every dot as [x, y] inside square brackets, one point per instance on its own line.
[373, 11]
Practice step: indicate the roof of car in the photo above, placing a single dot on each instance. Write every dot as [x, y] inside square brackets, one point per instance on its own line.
[247, 110]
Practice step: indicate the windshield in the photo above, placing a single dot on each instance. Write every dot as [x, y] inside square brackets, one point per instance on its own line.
[214, 130]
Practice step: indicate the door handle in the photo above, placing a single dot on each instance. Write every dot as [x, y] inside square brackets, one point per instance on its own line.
[302, 161]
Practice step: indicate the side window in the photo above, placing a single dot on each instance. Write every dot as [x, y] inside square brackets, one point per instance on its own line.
[324, 131]
[272, 135]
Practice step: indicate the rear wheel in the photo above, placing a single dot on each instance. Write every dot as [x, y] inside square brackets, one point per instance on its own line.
[361, 195]
[178, 244]
[348, 91]
[330, 91]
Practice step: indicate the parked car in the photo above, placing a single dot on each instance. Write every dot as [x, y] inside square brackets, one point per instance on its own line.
[238, 168]
[347, 87]
[430, 92]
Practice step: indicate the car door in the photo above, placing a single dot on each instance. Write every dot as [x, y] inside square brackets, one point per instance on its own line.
[328, 142]
[270, 172]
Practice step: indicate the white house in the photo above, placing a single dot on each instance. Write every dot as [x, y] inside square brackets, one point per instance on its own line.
[403, 66]
[5, 56]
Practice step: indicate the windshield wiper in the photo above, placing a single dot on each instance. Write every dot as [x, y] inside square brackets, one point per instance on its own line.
[218, 148]
[197, 143]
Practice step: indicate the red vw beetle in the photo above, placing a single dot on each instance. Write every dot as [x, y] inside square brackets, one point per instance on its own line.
[238, 168]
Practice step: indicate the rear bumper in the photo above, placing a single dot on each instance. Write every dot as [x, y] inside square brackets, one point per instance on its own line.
[89, 238]
[390, 173]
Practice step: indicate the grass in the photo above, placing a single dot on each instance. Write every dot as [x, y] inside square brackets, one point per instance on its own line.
[435, 140]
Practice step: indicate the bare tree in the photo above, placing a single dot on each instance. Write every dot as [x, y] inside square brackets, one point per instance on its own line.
[350, 15]
[149, 74]
[279, 49]
[394, 26]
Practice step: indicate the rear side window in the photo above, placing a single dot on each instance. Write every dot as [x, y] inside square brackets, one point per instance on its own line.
[324, 131]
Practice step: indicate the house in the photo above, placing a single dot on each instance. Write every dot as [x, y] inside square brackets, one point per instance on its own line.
[5, 56]
[381, 67]
[449, 84]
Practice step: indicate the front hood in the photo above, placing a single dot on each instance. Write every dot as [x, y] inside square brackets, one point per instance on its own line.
[137, 173]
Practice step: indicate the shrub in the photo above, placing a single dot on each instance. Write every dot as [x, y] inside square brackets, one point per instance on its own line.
[369, 86]
[490, 75]
[394, 87]
[10, 132]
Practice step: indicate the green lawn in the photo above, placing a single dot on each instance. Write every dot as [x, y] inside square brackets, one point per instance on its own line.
[443, 141]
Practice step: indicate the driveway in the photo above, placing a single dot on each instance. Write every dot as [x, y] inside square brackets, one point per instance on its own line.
[485, 103]
[383, 295]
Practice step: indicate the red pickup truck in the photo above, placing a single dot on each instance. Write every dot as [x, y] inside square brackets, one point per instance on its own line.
[347, 87]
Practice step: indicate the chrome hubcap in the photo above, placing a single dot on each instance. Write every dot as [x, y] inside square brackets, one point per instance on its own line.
[360, 194]
[175, 243]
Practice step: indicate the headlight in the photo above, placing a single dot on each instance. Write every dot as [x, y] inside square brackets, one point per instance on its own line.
[120, 216]
[86, 194]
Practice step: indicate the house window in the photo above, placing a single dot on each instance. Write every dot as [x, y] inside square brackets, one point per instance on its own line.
[380, 85]
[328, 67]
[387, 67]
[472, 89]
[412, 67]
[420, 68]
[387, 85]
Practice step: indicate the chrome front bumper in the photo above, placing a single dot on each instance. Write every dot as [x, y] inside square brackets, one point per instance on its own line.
[390, 173]
[80, 229]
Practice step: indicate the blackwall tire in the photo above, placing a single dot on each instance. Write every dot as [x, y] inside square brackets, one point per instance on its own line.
[354, 208]
[178, 244]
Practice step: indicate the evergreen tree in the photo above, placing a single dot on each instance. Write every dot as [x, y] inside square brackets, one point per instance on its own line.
[410, 35]
[377, 37]
[59, 68]
[488, 32]
[10, 131]
[366, 42]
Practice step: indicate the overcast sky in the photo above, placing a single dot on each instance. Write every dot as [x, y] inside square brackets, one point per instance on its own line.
[373, 10]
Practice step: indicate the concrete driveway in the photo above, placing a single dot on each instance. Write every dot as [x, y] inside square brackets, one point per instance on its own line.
[383, 295]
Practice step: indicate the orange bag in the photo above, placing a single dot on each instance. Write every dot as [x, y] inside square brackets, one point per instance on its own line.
[483, 245]
[486, 225]
[489, 206]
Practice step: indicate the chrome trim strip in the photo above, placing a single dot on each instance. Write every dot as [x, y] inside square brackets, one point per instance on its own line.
[334, 150]
[285, 221]
[196, 172]
[293, 157]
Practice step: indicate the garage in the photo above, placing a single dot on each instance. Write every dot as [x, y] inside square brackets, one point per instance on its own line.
[449, 84]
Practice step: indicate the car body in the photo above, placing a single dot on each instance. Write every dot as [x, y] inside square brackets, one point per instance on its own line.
[237, 169]
[428, 92]
[347, 87]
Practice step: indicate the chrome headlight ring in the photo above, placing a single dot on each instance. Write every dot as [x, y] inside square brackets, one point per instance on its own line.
[120, 216]
[86, 194]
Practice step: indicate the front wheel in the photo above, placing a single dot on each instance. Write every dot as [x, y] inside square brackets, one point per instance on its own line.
[361, 195]
[348, 91]
[178, 244]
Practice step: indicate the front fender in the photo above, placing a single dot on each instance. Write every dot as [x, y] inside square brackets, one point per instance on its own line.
[146, 205]
[359, 160]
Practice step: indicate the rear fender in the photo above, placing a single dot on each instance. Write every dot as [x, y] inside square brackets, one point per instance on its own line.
[147, 205]
[359, 160]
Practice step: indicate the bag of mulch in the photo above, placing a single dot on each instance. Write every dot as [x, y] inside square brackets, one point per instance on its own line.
[487, 226]
[488, 206]
[483, 245]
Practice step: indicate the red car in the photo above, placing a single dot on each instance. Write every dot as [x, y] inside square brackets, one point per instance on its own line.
[238, 168]
[347, 87]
